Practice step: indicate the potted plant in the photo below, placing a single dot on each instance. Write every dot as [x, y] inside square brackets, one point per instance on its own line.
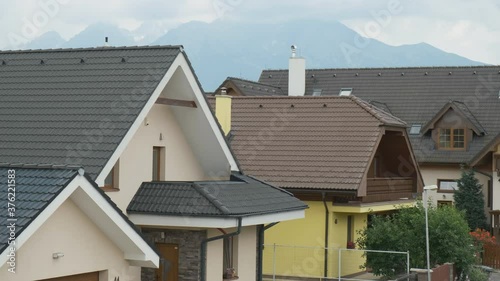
[351, 245]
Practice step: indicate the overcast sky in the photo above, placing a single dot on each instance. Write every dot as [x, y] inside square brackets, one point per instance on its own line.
[465, 27]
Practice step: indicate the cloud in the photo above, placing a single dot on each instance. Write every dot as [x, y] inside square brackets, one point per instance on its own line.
[465, 27]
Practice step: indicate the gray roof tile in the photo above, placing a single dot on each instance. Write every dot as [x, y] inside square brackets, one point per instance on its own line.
[68, 112]
[416, 95]
[242, 196]
[35, 189]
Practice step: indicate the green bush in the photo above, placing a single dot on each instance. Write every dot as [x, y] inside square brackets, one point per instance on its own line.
[405, 231]
[476, 274]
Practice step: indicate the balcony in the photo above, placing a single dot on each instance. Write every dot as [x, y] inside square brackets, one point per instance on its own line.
[388, 189]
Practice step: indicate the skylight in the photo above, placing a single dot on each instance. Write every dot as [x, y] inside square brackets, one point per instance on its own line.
[317, 92]
[415, 129]
[344, 92]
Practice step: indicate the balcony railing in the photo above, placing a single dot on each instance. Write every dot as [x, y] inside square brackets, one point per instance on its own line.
[387, 189]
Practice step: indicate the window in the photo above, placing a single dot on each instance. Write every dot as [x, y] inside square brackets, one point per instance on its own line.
[447, 185]
[317, 92]
[350, 228]
[344, 92]
[415, 129]
[451, 138]
[111, 180]
[158, 164]
[444, 203]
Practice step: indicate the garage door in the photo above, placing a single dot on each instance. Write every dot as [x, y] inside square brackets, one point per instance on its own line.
[94, 276]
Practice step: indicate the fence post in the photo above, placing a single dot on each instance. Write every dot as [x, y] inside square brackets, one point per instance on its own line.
[274, 261]
[408, 264]
[340, 263]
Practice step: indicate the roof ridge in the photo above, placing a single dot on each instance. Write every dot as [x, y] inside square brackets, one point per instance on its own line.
[395, 67]
[212, 199]
[101, 48]
[471, 114]
[251, 81]
[375, 113]
[39, 166]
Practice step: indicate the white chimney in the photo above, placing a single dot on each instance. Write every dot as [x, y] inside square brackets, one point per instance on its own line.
[296, 74]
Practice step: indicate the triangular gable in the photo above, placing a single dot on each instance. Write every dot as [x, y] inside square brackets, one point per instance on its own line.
[108, 218]
[462, 110]
[198, 124]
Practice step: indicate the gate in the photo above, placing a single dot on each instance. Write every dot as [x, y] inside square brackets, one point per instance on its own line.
[491, 255]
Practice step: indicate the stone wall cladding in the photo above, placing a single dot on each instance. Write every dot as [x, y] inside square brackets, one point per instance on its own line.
[189, 242]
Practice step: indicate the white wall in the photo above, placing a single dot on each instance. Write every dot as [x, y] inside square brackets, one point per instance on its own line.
[247, 254]
[245, 247]
[85, 248]
[135, 164]
[496, 185]
[431, 174]
[215, 250]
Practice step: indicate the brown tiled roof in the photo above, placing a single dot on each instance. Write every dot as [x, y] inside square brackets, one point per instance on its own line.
[307, 142]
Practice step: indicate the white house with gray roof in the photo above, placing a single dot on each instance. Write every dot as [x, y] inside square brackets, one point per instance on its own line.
[136, 121]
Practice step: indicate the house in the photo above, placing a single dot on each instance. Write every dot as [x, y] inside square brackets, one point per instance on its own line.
[346, 158]
[136, 124]
[452, 114]
[58, 223]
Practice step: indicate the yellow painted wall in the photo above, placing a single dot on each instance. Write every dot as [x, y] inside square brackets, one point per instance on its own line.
[299, 244]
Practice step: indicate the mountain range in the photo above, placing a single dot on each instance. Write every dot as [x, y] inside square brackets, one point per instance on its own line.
[221, 49]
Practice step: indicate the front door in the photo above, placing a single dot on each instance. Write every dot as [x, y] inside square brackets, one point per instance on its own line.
[169, 265]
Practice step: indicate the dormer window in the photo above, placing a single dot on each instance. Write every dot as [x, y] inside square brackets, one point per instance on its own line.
[451, 138]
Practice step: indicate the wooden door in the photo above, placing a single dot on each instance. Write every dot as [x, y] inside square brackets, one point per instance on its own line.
[169, 266]
[93, 276]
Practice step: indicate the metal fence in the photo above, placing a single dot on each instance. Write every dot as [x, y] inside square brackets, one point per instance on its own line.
[286, 262]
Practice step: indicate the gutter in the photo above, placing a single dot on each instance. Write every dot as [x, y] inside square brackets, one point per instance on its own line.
[203, 252]
[260, 254]
[327, 218]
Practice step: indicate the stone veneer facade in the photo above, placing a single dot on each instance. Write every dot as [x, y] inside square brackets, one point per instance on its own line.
[189, 242]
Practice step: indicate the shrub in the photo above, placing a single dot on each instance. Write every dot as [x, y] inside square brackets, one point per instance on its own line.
[405, 231]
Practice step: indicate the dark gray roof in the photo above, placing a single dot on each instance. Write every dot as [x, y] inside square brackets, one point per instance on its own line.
[461, 109]
[34, 190]
[74, 106]
[416, 95]
[250, 88]
[241, 196]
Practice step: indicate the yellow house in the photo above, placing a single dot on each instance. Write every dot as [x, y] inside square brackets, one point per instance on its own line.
[344, 157]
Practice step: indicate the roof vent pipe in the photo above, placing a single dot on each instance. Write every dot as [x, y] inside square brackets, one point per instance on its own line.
[106, 43]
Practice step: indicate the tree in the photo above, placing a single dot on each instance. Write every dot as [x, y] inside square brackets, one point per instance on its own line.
[405, 231]
[469, 198]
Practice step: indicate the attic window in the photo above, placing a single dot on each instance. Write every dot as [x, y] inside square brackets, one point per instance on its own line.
[415, 129]
[317, 92]
[451, 138]
[345, 92]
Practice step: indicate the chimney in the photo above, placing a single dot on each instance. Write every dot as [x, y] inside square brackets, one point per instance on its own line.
[296, 74]
[223, 110]
[106, 43]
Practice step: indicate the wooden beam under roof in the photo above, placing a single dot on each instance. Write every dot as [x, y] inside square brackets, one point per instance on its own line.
[175, 102]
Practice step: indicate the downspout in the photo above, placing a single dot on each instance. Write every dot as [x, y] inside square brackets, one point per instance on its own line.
[327, 218]
[260, 258]
[203, 251]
